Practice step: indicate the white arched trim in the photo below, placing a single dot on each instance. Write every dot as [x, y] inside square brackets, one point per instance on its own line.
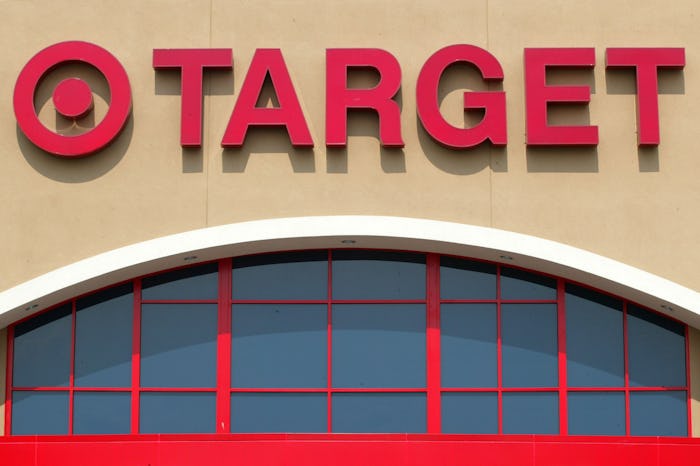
[340, 231]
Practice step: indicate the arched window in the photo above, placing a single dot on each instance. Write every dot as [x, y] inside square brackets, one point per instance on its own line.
[348, 341]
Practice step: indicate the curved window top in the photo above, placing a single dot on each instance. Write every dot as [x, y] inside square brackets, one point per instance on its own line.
[348, 341]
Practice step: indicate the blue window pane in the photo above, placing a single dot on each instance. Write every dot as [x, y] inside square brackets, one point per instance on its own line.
[530, 413]
[378, 275]
[279, 412]
[103, 331]
[42, 350]
[462, 279]
[41, 413]
[470, 413]
[517, 284]
[468, 340]
[379, 345]
[659, 413]
[169, 413]
[656, 349]
[102, 413]
[178, 345]
[294, 275]
[279, 345]
[200, 282]
[379, 412]
[596, 413]
[529, 333]
[594, 339]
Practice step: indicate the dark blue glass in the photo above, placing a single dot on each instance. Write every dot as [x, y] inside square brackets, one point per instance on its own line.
[518, 284]
[200, 282]
[378, 275]
[279, 345]
[279, 412]
[291, 275]
[656, 349]
[594, 339]
[39, 413]
[469, 413]
[379, 412]
[102, 413]
[531, 413]
[468, 340]
[463, 279]
[42, 347]
[178, 345]
[379, 345]
[103, 332]
[177, 412]
[530, 355]
[596, 413]
[659, 413]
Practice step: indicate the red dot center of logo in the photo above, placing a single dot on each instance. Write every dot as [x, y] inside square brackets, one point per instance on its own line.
[73, 98]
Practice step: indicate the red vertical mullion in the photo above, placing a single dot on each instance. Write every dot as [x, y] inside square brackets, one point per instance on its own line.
[8, 379]
[561, 343]
[433, 344]
[136, 358]
[499, 350]
[625, 343]
[687, 381]
[329, 349]
[223, 349]
[71, 375]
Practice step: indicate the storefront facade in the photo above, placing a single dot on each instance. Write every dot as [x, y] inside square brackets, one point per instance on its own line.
[379, 233]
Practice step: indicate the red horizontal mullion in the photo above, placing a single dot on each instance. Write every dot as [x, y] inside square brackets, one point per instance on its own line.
[101, 389]
[75, 389]
[631, 389]
[279, 301]
[495, 301]
[469, 390]
[657, 389]
[596, 389]
[318, 301]
[525, 389]
[379, 390]
[529, 301]
[279, 390]
[324, 390]
[179, 301]
[42, 389]
[468, 301]
[177, 389]
[379, 301]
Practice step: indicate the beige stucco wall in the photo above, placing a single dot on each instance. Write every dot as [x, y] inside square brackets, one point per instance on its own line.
[637, 206]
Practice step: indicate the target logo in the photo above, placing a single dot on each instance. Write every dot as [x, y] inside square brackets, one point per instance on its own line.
[72, 99]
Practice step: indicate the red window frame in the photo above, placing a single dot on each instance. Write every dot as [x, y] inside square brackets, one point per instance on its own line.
[433, 388]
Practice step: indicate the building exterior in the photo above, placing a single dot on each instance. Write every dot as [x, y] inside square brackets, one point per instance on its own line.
[306, 232]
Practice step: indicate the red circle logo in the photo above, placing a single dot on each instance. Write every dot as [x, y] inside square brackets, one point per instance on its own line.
[72, 98]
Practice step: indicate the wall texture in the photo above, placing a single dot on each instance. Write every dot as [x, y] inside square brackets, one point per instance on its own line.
[638, 206]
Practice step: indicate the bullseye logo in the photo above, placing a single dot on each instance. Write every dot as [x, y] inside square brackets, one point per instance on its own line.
[72, 99]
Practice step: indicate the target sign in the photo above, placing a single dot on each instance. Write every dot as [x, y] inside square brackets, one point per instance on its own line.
[72, 98]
